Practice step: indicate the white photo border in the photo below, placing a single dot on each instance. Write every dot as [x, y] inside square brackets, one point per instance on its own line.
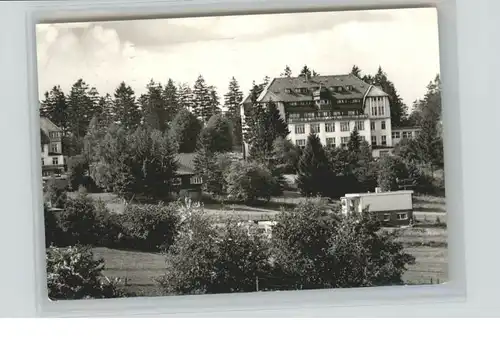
[449, 296]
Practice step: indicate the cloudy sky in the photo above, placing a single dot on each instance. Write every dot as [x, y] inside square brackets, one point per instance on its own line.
[403, 42]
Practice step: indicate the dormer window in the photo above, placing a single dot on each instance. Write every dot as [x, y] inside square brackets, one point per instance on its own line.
[298, 90]
[349, 87]
[288, 90]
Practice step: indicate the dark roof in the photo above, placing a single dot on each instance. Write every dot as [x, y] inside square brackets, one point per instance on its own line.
[277, 88]
[48, 126]
[44, 138]
[186, 163]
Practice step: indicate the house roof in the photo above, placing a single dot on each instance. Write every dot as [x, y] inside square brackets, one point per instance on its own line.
[44, 138]
[186, 163]
[277, 89]
[48, 126]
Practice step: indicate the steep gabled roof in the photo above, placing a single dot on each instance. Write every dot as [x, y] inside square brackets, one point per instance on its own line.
[277, 89]
[48, 126]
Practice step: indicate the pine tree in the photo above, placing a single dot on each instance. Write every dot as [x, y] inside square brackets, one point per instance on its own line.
[313, 170]
[305, 72]
[354, 143]
[214, 106]
[185, 96]
[153, 107]
[398, 108]
[81, 108]
[55, 107]
[356, 71]
[105, 111]
[202, 100]
[287, 72]
[125, 108]
[232, 101]
[171, 97]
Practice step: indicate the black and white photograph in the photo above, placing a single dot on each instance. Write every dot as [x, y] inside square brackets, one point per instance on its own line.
[242, 154]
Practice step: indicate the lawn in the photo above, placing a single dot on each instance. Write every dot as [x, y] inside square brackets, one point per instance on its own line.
[138, 270]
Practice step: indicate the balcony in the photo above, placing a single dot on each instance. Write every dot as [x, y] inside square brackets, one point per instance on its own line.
[319, 117]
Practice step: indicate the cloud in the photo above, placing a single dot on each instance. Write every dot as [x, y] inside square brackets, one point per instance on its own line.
[404, 42]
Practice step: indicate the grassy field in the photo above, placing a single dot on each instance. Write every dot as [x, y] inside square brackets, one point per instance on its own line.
[138, 270]
[426, 241]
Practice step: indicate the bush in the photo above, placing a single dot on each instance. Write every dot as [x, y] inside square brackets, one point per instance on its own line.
[87, 222]
[249, 182]
[206, 258]
[149, 227]
[314, 247]
[55, 194]
[73, 273]
[77, 169]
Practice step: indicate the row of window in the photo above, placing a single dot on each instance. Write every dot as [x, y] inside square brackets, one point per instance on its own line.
[54, 134]
[193, 180]
[329, 141]
[377, 110]
[337, 88]
[406, 135]
[400, 216]
[55, 161]
[323, 114]
[330, 127]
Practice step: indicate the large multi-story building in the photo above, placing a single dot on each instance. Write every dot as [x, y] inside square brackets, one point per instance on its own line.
[53, 160]
[332, 107]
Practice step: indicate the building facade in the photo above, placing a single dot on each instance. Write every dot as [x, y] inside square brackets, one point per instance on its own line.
[393, 208]
[53, 160]
[332, 107]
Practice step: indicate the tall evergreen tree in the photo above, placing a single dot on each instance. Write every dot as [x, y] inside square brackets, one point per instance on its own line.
[232, 101]
[153, 107]
[354, 143]
[202, 100]
[185, 96]
[55, 107]
[81, 108]
[171, 97]
[125, 108]
[214, 106]
[313, 170]
[398, 108]
[356, 71]
[287, 72]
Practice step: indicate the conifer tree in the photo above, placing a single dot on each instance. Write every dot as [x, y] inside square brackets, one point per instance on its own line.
[313, 170]
[125, 108]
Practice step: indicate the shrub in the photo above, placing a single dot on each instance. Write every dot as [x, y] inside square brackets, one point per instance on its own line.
[74, 273]
[206, 258]
[149, 227]
[314, 247]
[87, 222]
[77, 168]
[55, 194]
[250, 181]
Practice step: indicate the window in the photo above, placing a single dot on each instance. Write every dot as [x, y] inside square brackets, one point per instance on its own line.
[293, 103]
[344, 141]
[360, 125]
[409, 135]
[344, 126]
[383, 124]
[329, 127]
[298, 90]
[384, 140]
[352, 113]
[374, 140]
[396, 135]
[387, 217]
[309, 114]
[372, 125]
[315, 128]
[405, 135]
[374, 110]
[42, 162]
[288, 90]
[326, 113]
[324, 102]
[402, 216]
[294, 115]
[300, 129]
[54, 148]
[196, 180]
[300, 142]
[330, 141]
[337, 113]
[381, 110]
[55, 161]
